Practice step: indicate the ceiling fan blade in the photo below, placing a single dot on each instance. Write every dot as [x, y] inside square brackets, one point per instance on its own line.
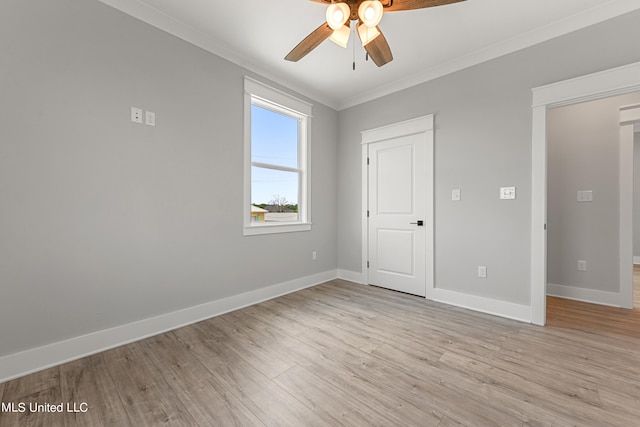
[379, 50]
[312, 41]
[397, 5]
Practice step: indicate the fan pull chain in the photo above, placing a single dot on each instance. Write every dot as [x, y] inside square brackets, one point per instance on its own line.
[354, 47]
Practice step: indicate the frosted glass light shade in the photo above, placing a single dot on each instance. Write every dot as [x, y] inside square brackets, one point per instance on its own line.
[337, 15]
[367, 33]
[341, 36]
[370, 12]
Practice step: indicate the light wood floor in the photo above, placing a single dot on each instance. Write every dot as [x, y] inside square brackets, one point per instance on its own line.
[346, 354]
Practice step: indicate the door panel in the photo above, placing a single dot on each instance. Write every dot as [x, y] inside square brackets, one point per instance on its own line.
[396, 251]
[394, 168]
[397, 201]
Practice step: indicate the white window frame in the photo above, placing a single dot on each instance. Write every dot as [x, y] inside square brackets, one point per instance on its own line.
[267, 97]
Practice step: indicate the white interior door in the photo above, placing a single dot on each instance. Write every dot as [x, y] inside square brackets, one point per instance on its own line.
[400, 219]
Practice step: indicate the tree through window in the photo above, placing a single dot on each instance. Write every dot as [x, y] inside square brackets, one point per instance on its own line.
[276, 161]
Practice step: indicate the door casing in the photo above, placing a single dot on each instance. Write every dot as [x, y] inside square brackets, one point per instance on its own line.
[419, 125]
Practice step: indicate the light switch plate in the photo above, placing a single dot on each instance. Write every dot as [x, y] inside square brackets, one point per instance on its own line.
[455, 194]
[585, 196]
[507, 193]
[136, 115]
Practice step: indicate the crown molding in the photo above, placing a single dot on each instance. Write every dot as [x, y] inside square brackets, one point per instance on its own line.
[608, 10]
[156, 18]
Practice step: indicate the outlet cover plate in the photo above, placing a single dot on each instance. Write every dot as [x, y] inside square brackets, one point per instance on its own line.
[482, 271]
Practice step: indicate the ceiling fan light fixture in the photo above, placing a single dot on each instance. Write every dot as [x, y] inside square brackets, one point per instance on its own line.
[341, 36]
[367, 34]
[337, 15]
[370, 12]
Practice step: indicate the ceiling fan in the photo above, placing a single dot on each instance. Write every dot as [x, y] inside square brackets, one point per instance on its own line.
[368, 14]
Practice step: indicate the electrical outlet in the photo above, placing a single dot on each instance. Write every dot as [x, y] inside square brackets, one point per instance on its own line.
[482, 271]
[136, 115]
[150, 118]
[455, 195]
[314, 255]
[582, 265]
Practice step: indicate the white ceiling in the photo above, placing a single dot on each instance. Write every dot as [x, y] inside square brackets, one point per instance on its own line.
[426, 43]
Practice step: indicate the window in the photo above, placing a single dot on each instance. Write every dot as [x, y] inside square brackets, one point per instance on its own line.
[276, 183]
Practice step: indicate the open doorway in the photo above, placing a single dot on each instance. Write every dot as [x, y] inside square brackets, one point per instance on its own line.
[589, 178]
[604, 84]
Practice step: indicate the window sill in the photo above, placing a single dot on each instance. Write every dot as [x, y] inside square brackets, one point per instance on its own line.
[254, 230]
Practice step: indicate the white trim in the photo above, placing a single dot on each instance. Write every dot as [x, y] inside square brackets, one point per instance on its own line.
[539, 218]
[413, 126]
[603, 12]
[271, 95]
[636, 260]
[629, 115]
[394, 130]
[154, 17]
[274, 99]
[615, 81]
[273, 228]
[589, 87]
[351, 276]
[592, 296]
[495, 307]
[158, 19]
[33, 360]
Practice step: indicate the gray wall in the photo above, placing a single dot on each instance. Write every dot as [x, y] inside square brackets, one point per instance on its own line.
[583, 150]
[482, 142]
[104, 222]
[636, 195]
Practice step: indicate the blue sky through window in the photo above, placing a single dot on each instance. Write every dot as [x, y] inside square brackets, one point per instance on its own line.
[274, 140]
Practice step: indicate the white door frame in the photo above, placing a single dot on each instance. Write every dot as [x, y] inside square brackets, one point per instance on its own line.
[409, 127]
[604, 84]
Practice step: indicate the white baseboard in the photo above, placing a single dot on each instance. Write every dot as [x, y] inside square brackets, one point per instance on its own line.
[636, 259]
[351, 276]
[36, 359]
[495, 307]
[592, 296]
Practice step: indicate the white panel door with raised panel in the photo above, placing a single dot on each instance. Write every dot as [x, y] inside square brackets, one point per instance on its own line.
[400, 219]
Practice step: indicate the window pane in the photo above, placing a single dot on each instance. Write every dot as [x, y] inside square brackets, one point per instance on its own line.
[275, 191]
[274, 138]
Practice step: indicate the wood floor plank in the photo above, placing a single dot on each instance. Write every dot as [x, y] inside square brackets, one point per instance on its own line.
[346, 354]
[527, 398]
[343, 382]
[41, 388]
[261, 355]
[88, 381]
[273, 405]
[433, 391]
[191, 383]
[145, 395]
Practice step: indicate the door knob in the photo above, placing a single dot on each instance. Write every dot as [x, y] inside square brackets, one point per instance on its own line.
[420, 223]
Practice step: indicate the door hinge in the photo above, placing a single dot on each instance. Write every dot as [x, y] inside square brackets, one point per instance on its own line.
[545, 226]
[367, 161]
[367, 214]
[367, 264]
